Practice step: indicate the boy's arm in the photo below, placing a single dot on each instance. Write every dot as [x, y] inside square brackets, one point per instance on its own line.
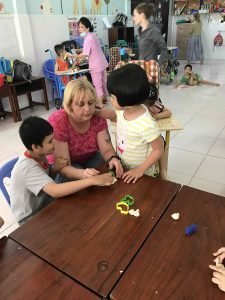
[106, 114]
[157, 151]
[63, 189]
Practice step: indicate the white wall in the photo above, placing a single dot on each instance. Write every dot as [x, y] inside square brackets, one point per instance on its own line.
[211, 26]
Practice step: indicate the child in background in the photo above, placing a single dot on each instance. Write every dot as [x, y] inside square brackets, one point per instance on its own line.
[62, 63]
[219, 270]
[139, 143]
[32, 185]
[191, 78]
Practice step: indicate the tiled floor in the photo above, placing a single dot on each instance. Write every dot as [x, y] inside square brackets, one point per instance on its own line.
[197, 153]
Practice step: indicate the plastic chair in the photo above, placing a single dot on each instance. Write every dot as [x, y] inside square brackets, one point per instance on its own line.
[5, 171]
[49, 72]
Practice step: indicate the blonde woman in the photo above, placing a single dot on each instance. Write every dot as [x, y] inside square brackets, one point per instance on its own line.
[195, 49]
[79, 136]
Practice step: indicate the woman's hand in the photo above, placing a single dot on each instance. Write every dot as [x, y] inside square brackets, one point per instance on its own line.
[115, 163]
[132, 175]
[220, 253]
[60, 163]
[218, 276]
[89, 172]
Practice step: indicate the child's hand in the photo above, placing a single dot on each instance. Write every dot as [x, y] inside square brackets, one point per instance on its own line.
[132, 175]
[104, 179]
[220, 253]
[89, 172]
[218, 276]
[60, 163]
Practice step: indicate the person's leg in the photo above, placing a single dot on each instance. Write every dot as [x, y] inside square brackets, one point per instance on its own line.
[209, 82]
[94, 162]
[97, 82]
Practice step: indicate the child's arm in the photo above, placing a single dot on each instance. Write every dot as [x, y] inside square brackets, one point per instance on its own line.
[166, 113]
[157, 151]
[63, 189]
[106, 114]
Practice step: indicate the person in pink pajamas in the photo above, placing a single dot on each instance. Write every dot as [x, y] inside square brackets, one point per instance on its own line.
[97, 61]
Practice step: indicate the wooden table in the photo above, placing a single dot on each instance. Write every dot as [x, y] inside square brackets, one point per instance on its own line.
[18, 88]
[25, 276]
[26, 88]
[172, 265]
[85, 237]
[6, 92]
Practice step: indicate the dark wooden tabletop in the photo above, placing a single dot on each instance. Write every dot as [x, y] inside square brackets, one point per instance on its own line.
[85, 236]
[25, 276]
[172, 265]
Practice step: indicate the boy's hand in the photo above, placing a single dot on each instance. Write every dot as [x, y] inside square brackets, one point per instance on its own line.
[60, 163]
[132, 175]
[220, 253]
[115, 163]
[218, 276]
[89, 172]
[104, 179]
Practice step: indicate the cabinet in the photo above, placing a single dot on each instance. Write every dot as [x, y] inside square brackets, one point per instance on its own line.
[120, 33]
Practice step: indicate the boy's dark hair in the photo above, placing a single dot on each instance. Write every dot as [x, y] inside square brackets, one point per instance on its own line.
[188, 66]
[58, 48]
[129, 84]
[86, 22]
[33, 130]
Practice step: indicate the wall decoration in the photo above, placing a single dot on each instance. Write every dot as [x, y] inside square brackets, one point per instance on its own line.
[75, 8]
[107, 3]
[46, 7]
[96, 7]
[83, 7]
[2, 8]
[61, 5]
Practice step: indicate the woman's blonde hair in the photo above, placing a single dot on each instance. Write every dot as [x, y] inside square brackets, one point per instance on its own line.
[77, 89]
[197, 17]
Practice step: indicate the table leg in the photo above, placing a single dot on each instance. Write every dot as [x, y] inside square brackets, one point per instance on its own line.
[45, 94]
[16, 103]
[167, 149]
[29, 97]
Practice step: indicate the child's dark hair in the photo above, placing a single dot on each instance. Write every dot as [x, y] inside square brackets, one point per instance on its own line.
[58, 49]
[86, 22]
[188, 66]
[33, 130]
[130, 85]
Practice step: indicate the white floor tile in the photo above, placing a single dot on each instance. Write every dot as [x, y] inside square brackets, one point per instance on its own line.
[181, 178]
[192, 142]
[212, 169]
[208, 186]
[184, 162]
[218, 149]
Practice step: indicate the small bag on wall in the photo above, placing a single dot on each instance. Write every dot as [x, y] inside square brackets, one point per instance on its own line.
[22, 71]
